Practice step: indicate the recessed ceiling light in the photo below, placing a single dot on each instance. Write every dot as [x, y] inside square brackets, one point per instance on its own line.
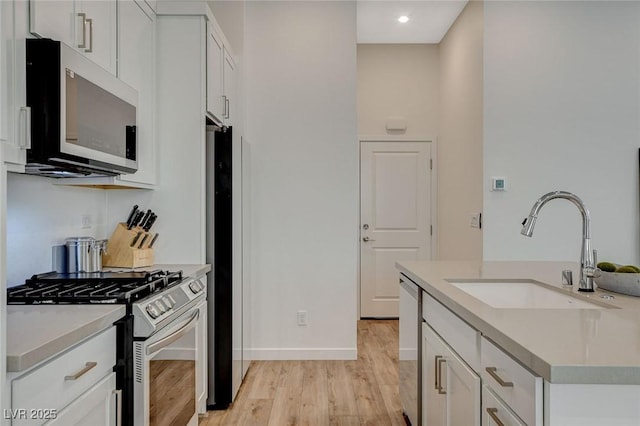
[404, 19]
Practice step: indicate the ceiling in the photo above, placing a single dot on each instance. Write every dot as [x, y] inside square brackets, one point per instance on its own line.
[429, 20]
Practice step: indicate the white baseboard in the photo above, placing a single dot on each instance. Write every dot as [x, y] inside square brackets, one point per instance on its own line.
[299, 354]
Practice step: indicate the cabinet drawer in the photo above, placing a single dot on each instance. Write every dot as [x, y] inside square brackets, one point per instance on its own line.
[517, 386]
[63, 379]
[463, 338]
[494, 412]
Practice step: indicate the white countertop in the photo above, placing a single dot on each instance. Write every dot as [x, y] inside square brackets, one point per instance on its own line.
[569, 346]
[38, 332]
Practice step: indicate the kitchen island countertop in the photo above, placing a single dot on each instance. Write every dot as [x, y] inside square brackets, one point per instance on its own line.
[569, 346]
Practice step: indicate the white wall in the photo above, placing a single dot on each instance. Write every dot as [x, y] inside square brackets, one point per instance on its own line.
[301, 123]
[41, 214]
[460, 137]
[229, 15]
[562, 111]
[398, 80]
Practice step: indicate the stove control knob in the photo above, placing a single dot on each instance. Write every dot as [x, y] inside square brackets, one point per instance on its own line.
[161, 306]
[172, 300]
[152, 311]
[194, 287]
[167, 302]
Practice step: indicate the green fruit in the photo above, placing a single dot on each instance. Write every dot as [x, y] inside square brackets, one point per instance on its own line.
[607, 266]
[627, 270]
[635, 268]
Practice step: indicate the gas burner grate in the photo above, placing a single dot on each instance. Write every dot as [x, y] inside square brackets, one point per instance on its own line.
[116, 287]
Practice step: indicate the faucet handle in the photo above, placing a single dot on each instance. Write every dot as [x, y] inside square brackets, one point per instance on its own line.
[567, 277]
[595, 258]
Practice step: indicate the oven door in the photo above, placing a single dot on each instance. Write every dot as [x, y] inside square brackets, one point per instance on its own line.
[165, 369]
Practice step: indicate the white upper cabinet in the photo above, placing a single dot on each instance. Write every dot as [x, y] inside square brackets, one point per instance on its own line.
[88, 26]
[14, 116]
[229, 84]
[220, 77]
[6, 62]
[215, 58]
[136, 67]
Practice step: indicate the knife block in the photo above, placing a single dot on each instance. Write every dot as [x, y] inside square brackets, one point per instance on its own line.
[120, 253]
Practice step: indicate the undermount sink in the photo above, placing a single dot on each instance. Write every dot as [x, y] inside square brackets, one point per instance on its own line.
[523, 294]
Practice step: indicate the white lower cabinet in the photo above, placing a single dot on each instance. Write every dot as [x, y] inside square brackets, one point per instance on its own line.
[469, 380]
[495, 412]
[95, 407]
[462, 372]
[512, 383]
[450, 388]
[66, 386]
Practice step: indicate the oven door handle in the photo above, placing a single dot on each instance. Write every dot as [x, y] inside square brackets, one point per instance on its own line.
[165, 341]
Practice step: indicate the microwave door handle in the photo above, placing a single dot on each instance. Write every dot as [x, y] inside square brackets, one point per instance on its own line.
[165, 341]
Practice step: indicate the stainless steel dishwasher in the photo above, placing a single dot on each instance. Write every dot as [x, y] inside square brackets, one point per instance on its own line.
[410, 351]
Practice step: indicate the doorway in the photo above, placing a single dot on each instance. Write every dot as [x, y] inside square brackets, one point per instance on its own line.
[396, 218]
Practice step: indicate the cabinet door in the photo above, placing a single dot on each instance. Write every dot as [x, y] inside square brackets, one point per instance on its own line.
[215, 58]
[14, 131]
[136, 67]
[450, 389]
[463, 392]
[96, 407]
[99, 30]
[229, 86]
[55, 19]
[434, 402]
[6, 63]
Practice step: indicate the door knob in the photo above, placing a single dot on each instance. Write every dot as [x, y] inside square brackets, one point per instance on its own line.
[367, 239]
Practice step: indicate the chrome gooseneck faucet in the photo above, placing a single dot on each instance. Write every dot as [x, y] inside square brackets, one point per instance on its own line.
[587, 256]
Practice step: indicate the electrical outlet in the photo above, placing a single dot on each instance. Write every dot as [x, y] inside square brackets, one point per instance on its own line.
[86, 221]
[302, 318]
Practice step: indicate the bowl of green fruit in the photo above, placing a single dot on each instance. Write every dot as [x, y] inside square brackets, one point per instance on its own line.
[623, 279]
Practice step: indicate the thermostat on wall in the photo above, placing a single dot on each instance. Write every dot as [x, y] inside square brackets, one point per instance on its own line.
[498, 184]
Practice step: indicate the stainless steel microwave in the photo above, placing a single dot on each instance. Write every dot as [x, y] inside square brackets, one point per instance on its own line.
[83, 119]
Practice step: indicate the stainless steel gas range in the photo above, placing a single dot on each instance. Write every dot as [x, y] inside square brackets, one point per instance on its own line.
[164, 331]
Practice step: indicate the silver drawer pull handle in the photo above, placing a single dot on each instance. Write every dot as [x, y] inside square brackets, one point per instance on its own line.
[84, 30]
[90, 49]
[492, 373]
[440, 388]
[88, 366]
[494, 416]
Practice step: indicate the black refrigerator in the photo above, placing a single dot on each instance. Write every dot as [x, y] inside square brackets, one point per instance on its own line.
[225, 293]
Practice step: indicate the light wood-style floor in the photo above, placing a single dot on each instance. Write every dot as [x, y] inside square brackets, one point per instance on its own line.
[318, 393]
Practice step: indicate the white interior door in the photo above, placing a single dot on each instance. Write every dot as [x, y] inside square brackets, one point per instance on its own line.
[395, 219]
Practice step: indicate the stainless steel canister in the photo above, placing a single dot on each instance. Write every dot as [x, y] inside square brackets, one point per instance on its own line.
[99, 247]
[79, 254]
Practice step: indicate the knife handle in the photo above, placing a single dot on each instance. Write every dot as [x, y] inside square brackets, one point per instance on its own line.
[142, 240]
[153, 240]
[131, 216]
[135, 239]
